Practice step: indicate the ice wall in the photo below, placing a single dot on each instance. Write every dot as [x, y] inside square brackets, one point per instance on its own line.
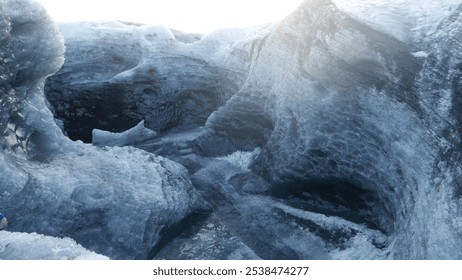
[116, 201]
[354, 124]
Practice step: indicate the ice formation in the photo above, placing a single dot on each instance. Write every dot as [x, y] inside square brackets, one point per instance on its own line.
[406, 20]
[114, 201]
[24, 246]
[333, 134]
[139, 133]
[150, 74]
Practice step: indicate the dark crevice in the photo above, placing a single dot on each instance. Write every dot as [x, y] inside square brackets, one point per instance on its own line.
[337, 238]
[335, 197]
[118, 107]
[189, 226]
[105, 109]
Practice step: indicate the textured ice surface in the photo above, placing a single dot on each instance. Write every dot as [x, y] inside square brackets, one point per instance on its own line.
[114, 201]
[33, 246]
[117, 74]
[333, 134]
[404, 19]
[354, 124]
[241, 159]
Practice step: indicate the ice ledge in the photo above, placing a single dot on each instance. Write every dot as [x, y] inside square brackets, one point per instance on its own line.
[137, 134]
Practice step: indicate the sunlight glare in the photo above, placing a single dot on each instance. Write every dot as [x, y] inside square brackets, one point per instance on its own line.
[200, 16]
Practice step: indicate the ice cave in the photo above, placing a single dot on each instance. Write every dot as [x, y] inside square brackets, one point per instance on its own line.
[334, 133]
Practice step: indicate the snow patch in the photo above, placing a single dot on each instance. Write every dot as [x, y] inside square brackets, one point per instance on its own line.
[420, 54]
[242, 159]
[33, 246]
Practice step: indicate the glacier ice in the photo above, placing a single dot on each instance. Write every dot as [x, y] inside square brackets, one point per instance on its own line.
[406, 20]
[97, 202]
[151, 76]
[139, 133]
[89, 194]
[347, 118]
[32, 246]
[333, 134]
[353, 124]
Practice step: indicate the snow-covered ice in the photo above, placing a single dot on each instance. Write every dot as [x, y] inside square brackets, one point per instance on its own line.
[420, 54]
[33, 246]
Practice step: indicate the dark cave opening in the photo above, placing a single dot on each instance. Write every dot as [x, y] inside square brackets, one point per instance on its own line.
[82, 111]
[118, 107]
[340, 197]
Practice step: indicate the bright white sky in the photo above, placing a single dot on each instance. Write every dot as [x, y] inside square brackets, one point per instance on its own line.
[188, 15]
